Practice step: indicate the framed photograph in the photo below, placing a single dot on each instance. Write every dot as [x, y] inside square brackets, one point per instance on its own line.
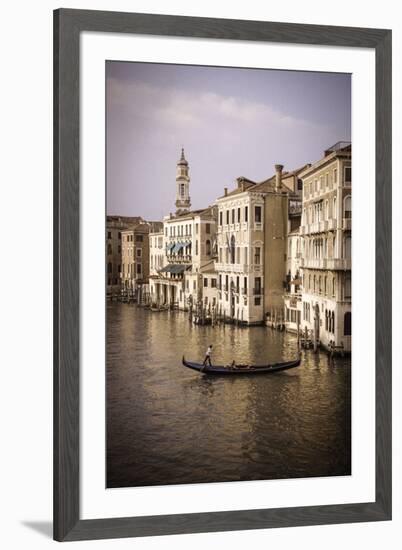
[205, 376]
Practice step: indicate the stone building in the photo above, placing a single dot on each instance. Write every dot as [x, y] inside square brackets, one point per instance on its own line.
[252, 240]
[114, 227]
[135, 256]
[189, 244]
[327, 243]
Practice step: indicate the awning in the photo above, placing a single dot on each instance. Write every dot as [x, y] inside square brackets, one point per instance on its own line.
[177, 247]
[169, 247]
[175, 268]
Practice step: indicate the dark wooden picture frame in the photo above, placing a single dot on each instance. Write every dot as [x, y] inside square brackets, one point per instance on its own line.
[68, 24]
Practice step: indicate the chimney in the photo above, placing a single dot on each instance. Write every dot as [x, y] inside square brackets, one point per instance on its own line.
[278, 176]
[225, 190]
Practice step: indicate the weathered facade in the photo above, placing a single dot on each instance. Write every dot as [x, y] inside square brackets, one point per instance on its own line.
[135, 256]
[189, 245]
[114, 227]
[252, 240]
[327, 243]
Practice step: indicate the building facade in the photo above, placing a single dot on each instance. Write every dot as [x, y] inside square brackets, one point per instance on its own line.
[252, 243]
[135, 257]
[114, 227]
[327, 245]
[189, 248]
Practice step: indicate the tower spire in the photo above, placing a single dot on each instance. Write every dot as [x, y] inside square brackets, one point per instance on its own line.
[183, 202]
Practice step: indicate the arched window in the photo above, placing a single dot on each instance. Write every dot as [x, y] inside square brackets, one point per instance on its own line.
[208, 247]
[347, 207]
[333, 286]
[232, 249]
[347, 324]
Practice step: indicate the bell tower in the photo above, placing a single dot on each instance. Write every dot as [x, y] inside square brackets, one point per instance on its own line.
[183, 202]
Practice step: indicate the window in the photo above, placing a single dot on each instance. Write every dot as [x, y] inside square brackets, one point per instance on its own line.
[221, 218]
[109, 249]
[348, 207]
[205, 282]
[194, 285]
[245, 285]
[347, 324]
[299, 184]
[233, 215]
[196, 248]
[139, 252]
[232, 249]
[257, 214]
[335, 173]
[348, 285]
[119, 236]
[213, 283]
[257, 301]
[119, 249]
[348, 248]
[257, 255]
[139, 238]
[139, 269]
[109, 267]
[196, 228]
[109, 234]
[227, 217]
[208, 228]
[348, 175]
[258, 285]
[245, 255]
[208, 248]
[238, 215]
[182, 188]
[246, 214]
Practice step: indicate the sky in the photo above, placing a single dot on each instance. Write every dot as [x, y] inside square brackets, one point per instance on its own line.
[231, 122]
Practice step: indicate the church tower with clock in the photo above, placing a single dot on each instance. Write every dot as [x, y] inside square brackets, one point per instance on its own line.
[183, 202]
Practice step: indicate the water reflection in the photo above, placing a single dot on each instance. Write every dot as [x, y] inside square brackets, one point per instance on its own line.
[167, 424]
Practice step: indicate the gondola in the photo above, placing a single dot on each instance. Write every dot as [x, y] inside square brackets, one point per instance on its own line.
[242, 369]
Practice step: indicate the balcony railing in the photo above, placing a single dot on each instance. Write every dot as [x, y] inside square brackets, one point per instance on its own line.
[326, 263]
[347, 224]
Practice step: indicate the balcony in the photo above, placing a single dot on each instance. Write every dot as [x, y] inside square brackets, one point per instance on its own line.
[258, 291]
[326, 263]
[232, 268]
[347, 224]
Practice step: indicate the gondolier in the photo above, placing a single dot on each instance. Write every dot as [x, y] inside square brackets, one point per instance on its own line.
[208, 357]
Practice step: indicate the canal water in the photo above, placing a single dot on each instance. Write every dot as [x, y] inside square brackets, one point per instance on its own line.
[167, 424]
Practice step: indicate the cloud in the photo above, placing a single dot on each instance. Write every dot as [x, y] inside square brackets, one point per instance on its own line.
[198, 110]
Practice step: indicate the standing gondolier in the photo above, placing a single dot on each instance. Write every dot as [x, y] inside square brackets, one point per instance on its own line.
[207, 357]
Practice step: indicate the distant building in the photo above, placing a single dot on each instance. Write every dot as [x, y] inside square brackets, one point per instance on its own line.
[327, 244]
[114, 227]
[135, 256]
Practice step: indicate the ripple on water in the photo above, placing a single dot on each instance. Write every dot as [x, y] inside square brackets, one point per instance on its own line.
[168, 425]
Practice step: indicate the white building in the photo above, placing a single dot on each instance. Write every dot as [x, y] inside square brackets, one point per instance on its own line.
[189, 245]
[327, 240]
[252, 239]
